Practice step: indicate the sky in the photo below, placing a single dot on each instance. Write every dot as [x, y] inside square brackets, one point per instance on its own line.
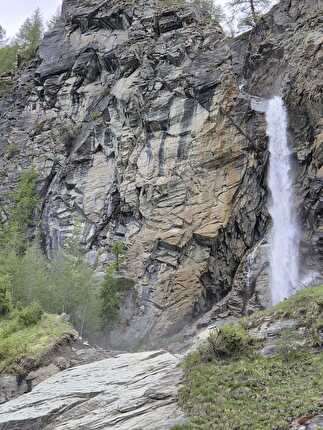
[14, 12]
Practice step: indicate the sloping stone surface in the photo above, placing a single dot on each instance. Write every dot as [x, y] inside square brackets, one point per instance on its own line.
[130, 391]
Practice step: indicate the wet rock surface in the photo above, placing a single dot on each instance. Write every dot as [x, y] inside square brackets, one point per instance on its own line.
[128, 391]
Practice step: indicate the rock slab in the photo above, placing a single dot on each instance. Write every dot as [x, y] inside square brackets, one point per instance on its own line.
[129, 391]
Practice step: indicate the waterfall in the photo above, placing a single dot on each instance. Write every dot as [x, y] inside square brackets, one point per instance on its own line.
[284, 234]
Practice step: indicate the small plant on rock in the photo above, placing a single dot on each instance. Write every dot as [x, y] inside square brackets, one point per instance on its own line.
[227, 341]
[30, 315]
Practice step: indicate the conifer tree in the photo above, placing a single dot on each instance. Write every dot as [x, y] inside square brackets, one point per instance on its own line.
[30, 33]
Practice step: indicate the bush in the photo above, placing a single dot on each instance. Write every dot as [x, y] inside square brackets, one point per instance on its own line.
[227, 341]
[30, 315]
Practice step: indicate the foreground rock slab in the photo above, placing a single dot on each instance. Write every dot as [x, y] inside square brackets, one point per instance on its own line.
[128, 391]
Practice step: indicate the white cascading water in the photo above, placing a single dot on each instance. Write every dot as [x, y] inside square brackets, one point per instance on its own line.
[284, 247]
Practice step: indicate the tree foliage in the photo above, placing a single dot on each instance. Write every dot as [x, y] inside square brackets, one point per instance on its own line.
[64, 284]
[23, 202]
[30, 34]
[112, 286]
[110, 296]
[25, 44]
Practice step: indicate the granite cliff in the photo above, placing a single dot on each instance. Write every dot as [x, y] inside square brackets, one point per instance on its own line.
[140, 121]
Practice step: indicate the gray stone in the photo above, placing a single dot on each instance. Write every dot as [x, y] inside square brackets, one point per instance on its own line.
[129, 391]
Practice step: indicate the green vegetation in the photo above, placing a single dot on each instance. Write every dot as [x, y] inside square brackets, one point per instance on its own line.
[229, 385]
[112, 287]
[30, 34]
[64, 284]
[61, 285]
[25, 335]
[229, 341]
[118, 250]
[8, 58]
[110, 297]
[23, 48]
[5, 86]
[23, 202]
[306, 307]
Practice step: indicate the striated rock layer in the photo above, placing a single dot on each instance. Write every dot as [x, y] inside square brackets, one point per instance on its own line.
[139, 121]
[129, 391]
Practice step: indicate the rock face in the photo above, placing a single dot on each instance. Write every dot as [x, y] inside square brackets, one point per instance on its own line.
[139, 121]
[129, 391]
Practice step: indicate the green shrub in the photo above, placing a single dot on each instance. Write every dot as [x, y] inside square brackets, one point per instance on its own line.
[30, 315]
[227, 341]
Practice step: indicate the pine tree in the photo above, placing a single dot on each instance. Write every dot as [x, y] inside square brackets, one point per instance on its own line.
[30, 34]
